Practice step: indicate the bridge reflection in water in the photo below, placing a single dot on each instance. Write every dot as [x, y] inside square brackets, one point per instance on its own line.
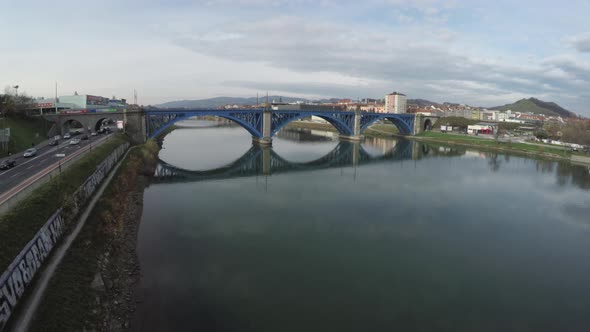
[259, 160]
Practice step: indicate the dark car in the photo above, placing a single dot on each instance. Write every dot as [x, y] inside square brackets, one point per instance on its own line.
[7, 164]
[54, 143]
[85, 137]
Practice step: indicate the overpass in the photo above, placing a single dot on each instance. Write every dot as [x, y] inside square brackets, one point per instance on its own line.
[263, 160]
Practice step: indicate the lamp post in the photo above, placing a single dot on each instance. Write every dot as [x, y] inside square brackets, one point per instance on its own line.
[16, 89]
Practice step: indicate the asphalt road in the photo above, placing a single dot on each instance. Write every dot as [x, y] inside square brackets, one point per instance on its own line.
[27, 167]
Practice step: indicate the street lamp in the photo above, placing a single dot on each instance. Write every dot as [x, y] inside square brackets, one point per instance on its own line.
[16, 89]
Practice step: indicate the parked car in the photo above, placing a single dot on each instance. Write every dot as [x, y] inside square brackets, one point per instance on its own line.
[7, 164]
[67, 136]
[93, 133]
[54, 143]
[85, 137]
[75, 141]
[30, 153]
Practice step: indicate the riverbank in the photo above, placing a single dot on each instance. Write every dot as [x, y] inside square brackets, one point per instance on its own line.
[494, 145]
[384, 130]
[93, 287]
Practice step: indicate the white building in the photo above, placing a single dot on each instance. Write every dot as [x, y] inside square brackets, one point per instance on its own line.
[395, 103]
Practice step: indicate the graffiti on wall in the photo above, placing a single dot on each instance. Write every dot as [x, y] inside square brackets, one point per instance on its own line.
[20, 273]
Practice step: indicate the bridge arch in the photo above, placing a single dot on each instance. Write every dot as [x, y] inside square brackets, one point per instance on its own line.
[158, 122]
[427, 125]
[280, 120]
[403, 122]
[69, 124]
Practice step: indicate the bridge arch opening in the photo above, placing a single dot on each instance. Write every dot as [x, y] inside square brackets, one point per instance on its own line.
[338, 124]
[103, 123]
[427, 125]
[73, 126]
[404, 125]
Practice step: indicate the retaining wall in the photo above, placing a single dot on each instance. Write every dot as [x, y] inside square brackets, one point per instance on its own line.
[20, 274]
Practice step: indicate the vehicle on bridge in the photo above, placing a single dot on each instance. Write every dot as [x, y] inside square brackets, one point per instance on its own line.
[54, 143]
[67, 136]
[30, 153]
[75, 141]
[7, 164]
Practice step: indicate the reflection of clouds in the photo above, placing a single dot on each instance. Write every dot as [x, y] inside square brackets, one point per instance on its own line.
[204, 148]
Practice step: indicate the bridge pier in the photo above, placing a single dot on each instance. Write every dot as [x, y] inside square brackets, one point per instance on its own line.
[266, 139]
[356, 129]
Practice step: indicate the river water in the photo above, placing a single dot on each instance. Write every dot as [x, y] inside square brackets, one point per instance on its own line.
[388, 235]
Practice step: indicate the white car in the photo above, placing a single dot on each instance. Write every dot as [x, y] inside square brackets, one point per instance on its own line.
[75, 141]
[30, 153]
[93, 133]
[67, 136]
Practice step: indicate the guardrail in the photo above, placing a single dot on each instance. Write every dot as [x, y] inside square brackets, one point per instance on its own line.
[17, 278]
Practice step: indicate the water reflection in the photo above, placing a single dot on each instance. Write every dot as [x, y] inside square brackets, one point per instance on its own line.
[265, 161]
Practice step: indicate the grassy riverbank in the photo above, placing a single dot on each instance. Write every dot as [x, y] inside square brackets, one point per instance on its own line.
[92, 288]
[491, 144]
[387, 130]
[21, 223]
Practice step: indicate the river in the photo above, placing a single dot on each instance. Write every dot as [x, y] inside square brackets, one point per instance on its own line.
[389, 235]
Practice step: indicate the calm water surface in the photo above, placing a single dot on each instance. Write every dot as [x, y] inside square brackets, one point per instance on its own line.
[387, 236]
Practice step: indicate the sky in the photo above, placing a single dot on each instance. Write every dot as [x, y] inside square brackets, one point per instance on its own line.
[477, 52]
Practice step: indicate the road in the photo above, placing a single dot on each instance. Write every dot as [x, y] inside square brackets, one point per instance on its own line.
[46, 155]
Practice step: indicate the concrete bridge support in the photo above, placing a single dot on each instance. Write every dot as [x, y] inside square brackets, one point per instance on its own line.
[266, 139]
[356, 129]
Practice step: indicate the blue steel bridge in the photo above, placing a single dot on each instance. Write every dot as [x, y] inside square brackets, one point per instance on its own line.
[264, 124]
[259, 160]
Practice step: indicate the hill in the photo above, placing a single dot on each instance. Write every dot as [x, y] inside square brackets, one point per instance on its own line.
[421, 102]
[536, 106]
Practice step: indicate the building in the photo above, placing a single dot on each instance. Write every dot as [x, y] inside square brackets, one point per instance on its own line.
[395, 103]
[482, 128]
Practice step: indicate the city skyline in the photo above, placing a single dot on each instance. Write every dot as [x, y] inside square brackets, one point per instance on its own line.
[479, 53]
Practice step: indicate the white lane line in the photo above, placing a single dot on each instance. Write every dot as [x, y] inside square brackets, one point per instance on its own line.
[15, 174]
[30, 166]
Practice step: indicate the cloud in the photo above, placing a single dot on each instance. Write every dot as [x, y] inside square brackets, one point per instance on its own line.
[580, 42]
[406, 59]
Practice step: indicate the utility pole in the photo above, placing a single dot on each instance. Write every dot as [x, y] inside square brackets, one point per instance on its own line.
[55, 103]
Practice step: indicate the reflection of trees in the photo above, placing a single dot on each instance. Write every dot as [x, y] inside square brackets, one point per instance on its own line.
[578, 175]
[494, 161]
[545, 166]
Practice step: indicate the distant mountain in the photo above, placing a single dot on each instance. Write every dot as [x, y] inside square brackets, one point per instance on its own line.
[536, 106]
[222, 101]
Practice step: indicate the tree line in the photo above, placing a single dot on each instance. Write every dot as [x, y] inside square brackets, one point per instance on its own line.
[13, 104]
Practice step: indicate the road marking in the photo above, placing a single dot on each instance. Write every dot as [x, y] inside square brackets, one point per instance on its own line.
[15, 174]
[30, 166]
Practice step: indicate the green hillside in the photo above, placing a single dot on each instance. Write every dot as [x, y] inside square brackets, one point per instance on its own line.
[536, 106]
[23, 132]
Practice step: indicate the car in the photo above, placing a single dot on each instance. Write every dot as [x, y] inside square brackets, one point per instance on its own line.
[75, 141]
[67, 136]
[7, 164]
[93, 134]
[85, 137]
[30, 153]
[54, 143]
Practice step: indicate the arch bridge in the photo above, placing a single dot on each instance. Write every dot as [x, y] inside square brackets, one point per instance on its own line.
[264, 124]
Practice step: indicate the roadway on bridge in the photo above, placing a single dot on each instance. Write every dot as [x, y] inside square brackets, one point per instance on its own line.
[27, 167]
